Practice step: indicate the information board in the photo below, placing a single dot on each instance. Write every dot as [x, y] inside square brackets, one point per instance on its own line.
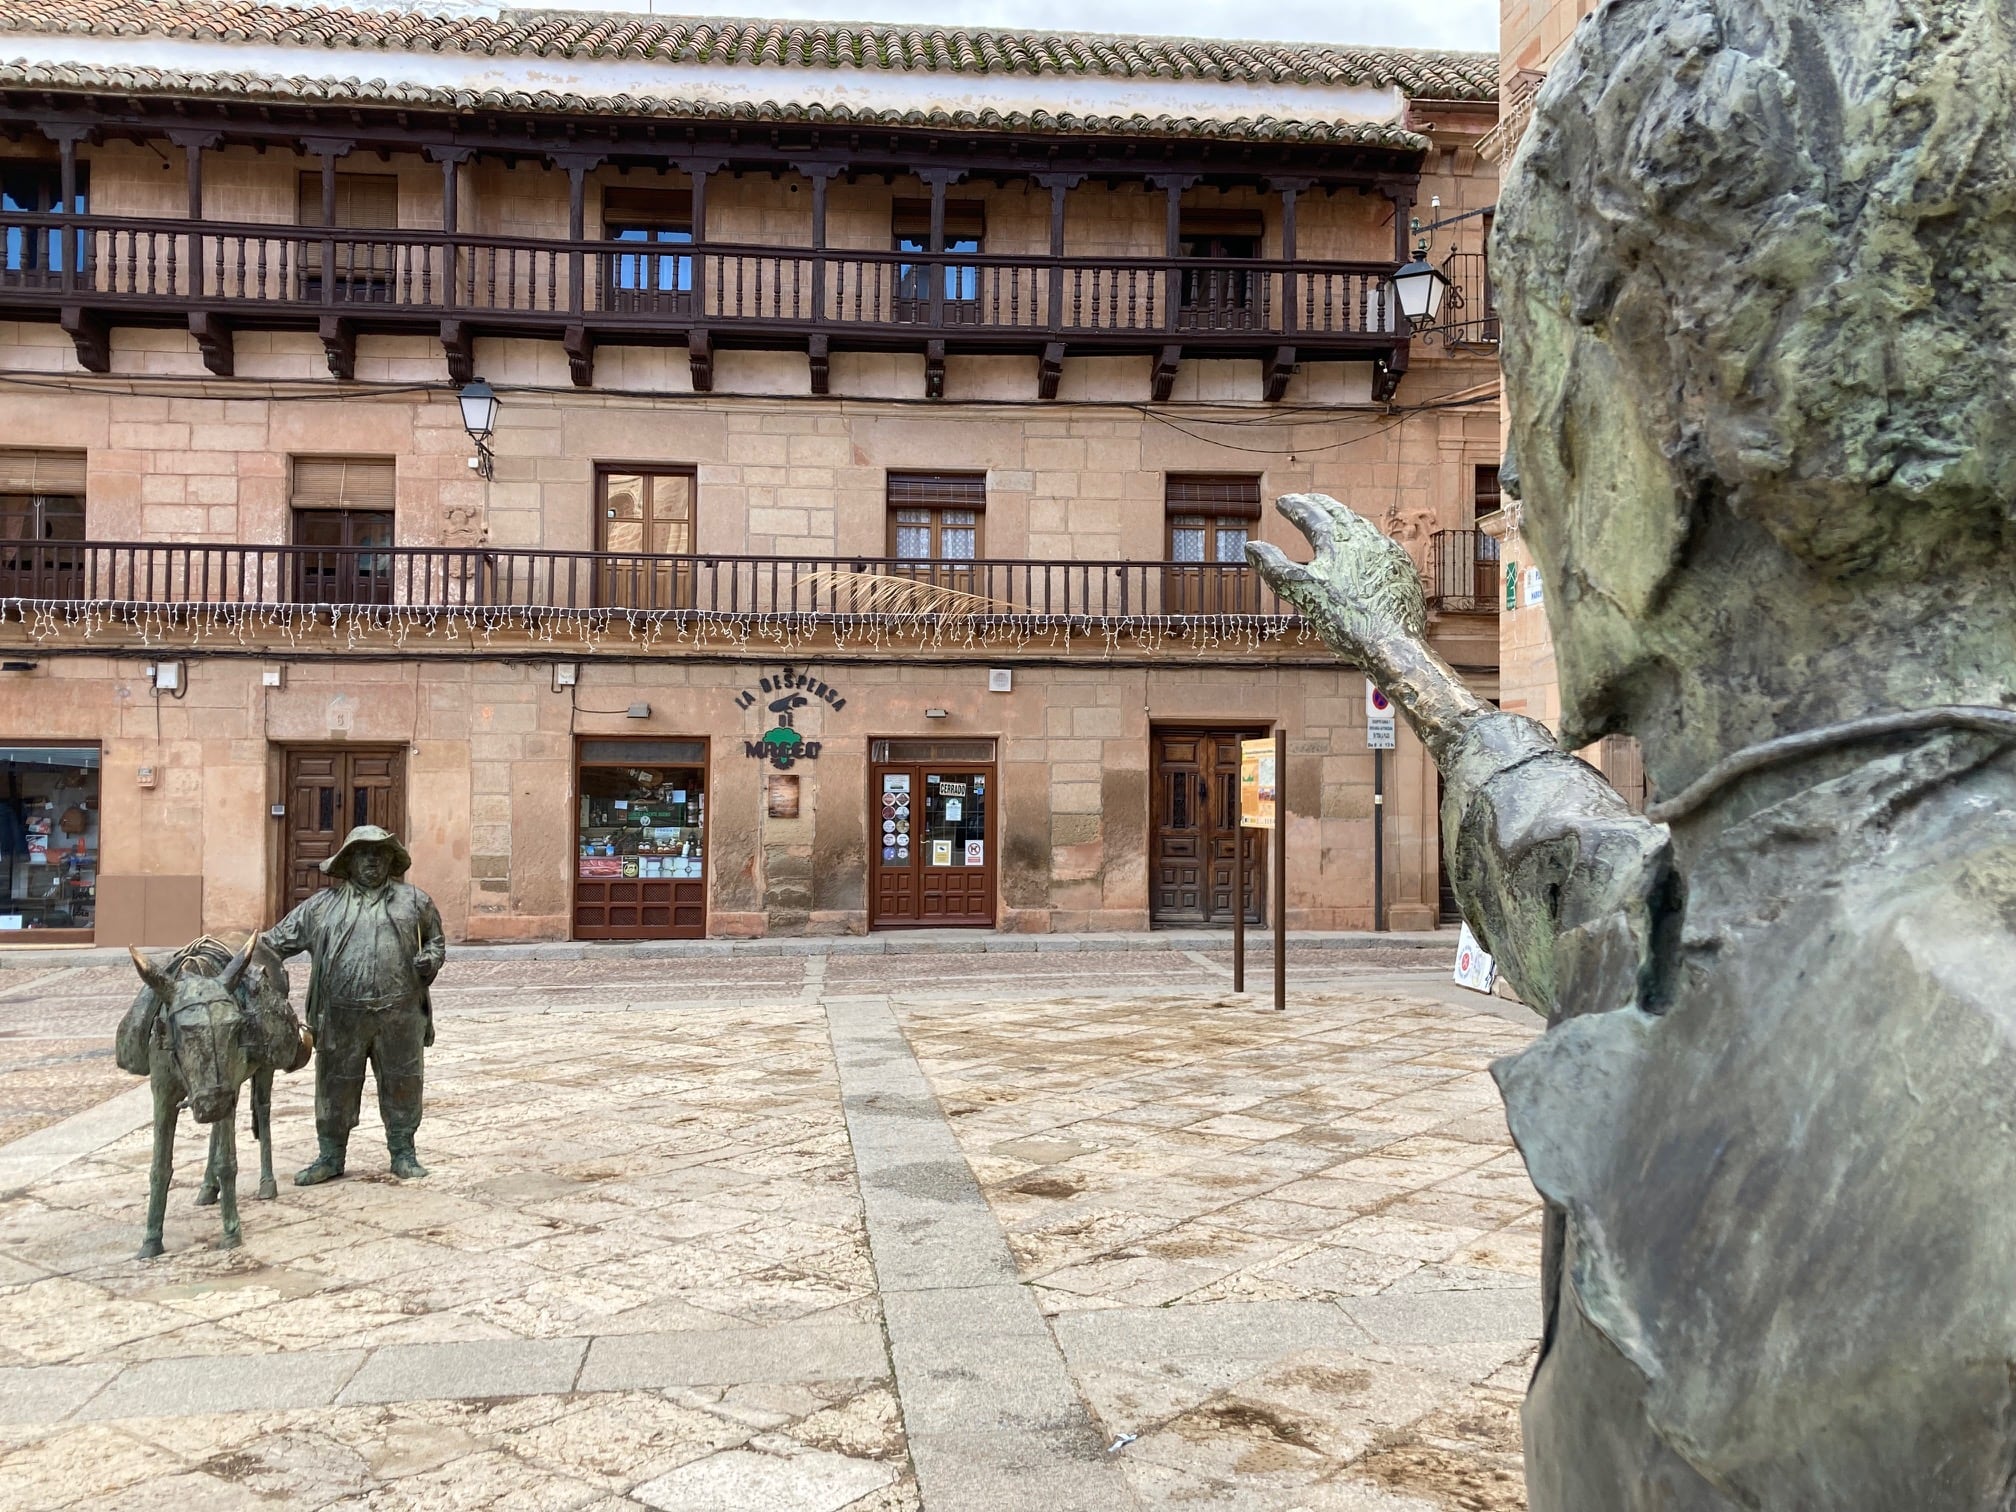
[1256, 783]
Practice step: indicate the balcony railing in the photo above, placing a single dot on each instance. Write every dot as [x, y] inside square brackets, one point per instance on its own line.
[317, 578]
[1463, 570]
[1470, 307]
[288, 272]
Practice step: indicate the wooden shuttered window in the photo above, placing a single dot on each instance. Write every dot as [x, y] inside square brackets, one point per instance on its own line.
[34, 471]
[343, 483]
[921, 490]
[1216, 494]
[363, 201]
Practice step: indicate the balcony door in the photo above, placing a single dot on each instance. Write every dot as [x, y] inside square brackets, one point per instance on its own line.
[1210, 520]
[965, 230]
[934, 528]
[650, 269]
[644, 517]
[1195, 845]
[360, 270]
[41, 524]
[32, 257]
[1219, 297]
[344, 528]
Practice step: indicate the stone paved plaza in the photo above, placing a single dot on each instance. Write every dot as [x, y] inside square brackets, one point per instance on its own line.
[802, 1233]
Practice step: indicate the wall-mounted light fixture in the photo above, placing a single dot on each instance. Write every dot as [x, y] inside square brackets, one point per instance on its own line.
[479, 418]
[934, 714]
[17, 666]
[638, 711]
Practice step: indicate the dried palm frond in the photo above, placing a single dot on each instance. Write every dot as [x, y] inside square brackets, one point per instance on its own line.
[903, 598]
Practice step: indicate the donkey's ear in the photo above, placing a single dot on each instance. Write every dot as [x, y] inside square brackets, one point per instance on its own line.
[236, 970]
[152, 975]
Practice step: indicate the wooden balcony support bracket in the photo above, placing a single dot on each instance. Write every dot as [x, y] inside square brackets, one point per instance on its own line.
[818, 356]
[579, 342]
[934, 370]
[92, 336]
[1280, 368]
[213, 339]
[1050, 371]
[1387, 372]
[458, 346]
[700, 357]
[1166, 363]
[339, 345]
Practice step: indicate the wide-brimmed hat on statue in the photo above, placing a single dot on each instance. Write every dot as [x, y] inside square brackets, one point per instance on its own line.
[358, 839]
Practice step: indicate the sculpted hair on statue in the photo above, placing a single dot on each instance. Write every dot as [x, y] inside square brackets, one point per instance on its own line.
[1758, 265]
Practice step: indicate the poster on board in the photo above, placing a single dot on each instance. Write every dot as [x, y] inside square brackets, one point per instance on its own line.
[1256, 783]
[1474, 969]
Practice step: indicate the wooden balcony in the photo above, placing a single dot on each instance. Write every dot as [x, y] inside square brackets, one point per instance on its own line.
[1463, 572]
[93, 272]
[305, 583]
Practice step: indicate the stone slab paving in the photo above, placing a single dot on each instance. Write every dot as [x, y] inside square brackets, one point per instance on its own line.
[772, 1233]
[1291, 1258]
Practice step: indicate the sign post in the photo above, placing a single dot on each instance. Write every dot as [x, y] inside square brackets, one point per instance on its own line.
[1281, 872]
[1381, 734]
[1261, 763]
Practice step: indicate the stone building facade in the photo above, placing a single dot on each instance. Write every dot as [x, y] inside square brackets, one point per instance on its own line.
[860, 544]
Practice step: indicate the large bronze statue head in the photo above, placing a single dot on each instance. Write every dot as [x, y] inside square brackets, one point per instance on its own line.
[1758, 266]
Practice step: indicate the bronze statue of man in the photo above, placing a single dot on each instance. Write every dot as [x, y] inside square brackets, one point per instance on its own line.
[376, 946]
[1754, 261]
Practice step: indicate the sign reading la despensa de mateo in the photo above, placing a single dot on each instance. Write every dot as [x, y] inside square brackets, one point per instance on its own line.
[788, 691]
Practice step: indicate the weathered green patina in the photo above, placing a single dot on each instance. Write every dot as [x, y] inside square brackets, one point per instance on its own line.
[376, 944]
[1755, 261]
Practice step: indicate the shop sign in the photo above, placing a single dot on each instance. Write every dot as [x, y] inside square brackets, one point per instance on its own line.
[1256, 783]
[783, 693]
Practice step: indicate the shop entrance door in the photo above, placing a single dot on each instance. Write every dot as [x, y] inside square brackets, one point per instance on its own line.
[330, 791]
[640, 867]
[1196, 840]
[932, 854]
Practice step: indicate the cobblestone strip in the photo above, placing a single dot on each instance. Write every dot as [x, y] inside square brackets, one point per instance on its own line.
[992, 1417]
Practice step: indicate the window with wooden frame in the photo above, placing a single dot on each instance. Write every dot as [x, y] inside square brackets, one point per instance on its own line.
[643, 515]
[1485, 497]
[935, 517]
[965, 231]
[654, 269]
[30, 257]
[344, 520]
[1210, 520]
[41, 524]
[362, 271]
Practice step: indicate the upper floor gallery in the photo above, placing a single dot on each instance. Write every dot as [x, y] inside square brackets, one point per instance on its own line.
[602, 181]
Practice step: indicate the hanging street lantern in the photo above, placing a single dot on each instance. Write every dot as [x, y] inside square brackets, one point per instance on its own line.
[479, 417]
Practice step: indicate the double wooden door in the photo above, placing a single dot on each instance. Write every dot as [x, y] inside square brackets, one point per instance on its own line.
[932, 846]
[330, 791]
[1196, 830]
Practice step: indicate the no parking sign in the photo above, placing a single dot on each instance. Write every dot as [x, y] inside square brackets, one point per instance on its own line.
[1379, 718]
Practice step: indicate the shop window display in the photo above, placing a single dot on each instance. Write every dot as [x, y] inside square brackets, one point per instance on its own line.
[49, 824]
[642, 822]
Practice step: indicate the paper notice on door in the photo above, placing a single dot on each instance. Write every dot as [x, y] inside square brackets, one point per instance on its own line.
[976, 852]
[895, 782]
[954, 810]
[941, 852]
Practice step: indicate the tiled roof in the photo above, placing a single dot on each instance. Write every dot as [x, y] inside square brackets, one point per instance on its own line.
[21, 75]
[782, 44]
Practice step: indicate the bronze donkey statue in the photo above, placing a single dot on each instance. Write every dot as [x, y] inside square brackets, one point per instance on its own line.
[206, 1023]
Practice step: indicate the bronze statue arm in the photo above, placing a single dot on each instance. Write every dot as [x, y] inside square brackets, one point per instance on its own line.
[1573, 893]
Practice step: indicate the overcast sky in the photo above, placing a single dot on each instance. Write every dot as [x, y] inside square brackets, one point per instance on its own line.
[1468, 24]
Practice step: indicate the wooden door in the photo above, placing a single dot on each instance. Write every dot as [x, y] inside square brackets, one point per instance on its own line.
[1196, 830]
[932, 858]
[330, 791]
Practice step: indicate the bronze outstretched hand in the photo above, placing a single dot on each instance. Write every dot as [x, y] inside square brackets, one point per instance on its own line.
[1363, 595]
